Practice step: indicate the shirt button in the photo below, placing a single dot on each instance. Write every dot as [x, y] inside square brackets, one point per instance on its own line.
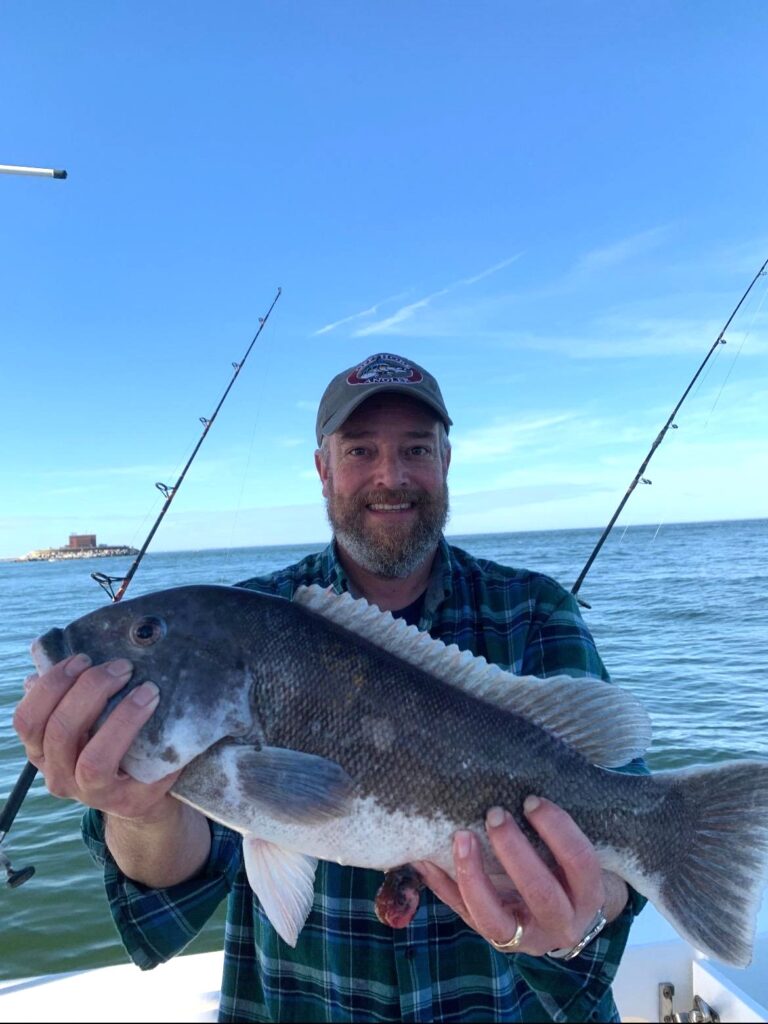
[410, 952]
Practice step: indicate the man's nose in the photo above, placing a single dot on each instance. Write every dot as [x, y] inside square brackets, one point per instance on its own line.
[391, 470]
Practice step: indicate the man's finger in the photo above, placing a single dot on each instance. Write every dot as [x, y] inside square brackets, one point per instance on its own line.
[99, 760]
[541, 891]
[489, 915]
[74, 716]
[441, 884]
[572, 851]
[35, 708]
[147, 801]
[30, 681]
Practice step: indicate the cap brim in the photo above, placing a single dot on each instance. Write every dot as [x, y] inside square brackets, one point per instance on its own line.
[342, 415]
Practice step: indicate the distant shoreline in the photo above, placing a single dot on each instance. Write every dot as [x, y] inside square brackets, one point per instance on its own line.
[66, 554]
[452, 538]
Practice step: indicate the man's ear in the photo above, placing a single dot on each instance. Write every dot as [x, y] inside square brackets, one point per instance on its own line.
[322, 470]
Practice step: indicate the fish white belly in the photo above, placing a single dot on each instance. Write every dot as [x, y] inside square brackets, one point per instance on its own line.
[369, 836]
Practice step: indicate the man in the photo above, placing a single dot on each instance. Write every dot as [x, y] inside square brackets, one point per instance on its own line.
[468, 954]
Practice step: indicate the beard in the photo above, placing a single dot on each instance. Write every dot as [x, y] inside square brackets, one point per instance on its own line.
[394, 550]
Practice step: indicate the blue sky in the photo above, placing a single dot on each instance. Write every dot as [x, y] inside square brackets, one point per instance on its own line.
[554, 206]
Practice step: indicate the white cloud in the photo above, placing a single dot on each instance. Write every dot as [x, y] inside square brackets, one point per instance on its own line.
[371, 311]
[406, 312]
[486, 444]
[737, 258]
[623, 336]
[86, 473]
[521, 494]
[622, 251]
[487, 273]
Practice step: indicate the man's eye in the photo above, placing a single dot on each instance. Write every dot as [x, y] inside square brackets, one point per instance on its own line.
[421, 449]
[357, 451]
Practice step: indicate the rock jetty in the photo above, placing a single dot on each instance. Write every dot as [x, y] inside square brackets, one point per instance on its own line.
[60, 554]
[81, 545]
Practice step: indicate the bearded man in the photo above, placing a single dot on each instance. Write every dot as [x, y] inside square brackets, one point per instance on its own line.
[383, 458]
[466, 954]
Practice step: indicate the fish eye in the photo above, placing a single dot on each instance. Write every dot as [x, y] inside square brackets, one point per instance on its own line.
[147, 631]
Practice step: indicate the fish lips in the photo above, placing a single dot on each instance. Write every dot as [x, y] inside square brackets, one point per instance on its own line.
[49, 649]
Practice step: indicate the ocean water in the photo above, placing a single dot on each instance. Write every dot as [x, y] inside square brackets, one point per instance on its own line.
[680, 615]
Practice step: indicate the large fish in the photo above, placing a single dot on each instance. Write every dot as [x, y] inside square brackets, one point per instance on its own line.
[323, 728]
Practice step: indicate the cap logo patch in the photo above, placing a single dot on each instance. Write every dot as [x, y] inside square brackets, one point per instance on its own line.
[385, 368]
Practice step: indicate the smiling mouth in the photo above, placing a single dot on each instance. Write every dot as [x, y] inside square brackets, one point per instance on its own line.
[402, 506]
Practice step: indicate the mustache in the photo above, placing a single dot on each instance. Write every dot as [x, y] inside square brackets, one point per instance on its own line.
[382, 496]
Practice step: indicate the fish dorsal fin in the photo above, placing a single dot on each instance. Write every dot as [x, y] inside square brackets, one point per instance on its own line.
[607, 725]
[284, 881]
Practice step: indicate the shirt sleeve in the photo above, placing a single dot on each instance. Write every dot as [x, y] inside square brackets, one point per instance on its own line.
[578, 989]
[156, 924]
[559, 641]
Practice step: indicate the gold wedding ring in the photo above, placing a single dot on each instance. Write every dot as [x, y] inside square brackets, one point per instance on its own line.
[514, 942]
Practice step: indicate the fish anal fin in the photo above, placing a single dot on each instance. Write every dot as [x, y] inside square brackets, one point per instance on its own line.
[284, 882]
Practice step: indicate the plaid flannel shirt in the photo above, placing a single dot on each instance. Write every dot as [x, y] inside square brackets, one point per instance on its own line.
[347, 966]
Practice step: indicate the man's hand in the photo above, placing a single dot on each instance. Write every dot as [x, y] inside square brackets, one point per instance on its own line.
[55, 722]
[554, 907]
[155, 839]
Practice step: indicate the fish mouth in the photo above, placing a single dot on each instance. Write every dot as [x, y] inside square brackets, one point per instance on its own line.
[49, 649]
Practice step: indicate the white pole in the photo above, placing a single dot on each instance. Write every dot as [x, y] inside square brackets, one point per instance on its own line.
[38, 172]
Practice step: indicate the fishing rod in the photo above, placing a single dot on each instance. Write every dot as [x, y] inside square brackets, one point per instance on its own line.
[719, 340]
[25, 780]
[35, 172]
[170, 492]
[17, 876]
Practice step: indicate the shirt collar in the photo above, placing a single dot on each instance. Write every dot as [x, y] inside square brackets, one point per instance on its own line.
[439, 588]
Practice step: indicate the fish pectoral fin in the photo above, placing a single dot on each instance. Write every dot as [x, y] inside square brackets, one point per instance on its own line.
[294, 787]
[284, 882]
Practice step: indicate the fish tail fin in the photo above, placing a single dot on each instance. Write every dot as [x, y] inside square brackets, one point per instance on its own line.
[711, 886]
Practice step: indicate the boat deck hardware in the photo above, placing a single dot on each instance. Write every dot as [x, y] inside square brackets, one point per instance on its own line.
[701, 1013]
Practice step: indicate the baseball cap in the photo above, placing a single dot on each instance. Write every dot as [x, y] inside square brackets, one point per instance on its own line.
[380, 372]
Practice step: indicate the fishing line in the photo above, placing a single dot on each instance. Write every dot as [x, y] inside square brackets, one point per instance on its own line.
[700, 429]
[670, 424]
[16, 877]
[249, 459]
[149, 516]
[736, 356]
[718, 355]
